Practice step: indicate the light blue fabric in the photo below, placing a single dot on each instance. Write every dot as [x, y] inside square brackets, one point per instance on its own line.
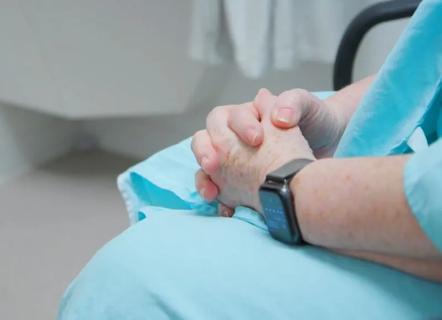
[182, 262]
[408, 94]
[176, 264]
[405, 94]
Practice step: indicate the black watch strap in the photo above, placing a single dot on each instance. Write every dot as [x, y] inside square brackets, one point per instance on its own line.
[278, 205]
[288, 171]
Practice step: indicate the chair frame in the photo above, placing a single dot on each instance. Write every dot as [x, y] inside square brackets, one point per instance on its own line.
[358, 28]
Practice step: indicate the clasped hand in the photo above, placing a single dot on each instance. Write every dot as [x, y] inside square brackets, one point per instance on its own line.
[243, 143]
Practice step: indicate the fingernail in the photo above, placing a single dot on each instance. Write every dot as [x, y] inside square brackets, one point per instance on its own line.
[203, 192]
[284, 115]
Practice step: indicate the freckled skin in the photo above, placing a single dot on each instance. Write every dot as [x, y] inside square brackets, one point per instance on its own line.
[357, 206]
[354, 206]
[244, 168]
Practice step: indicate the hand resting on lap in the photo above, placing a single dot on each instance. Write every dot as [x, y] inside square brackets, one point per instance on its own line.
[240, 169]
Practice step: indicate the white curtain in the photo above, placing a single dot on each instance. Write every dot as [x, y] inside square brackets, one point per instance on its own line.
[263, 34]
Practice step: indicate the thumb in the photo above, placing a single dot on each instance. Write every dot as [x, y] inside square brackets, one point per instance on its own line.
[290, 108]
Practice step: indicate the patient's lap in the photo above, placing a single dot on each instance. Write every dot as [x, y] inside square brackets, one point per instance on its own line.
[177, 265]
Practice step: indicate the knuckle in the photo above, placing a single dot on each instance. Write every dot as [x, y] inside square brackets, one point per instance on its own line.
[241, 117]
[217, 112]
[199, 133]
[217, 118]
[198, 179]
[300, 91]
[236, 116]
[199, 175]
[196, 139]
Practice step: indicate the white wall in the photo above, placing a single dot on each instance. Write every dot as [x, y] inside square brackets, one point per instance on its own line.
[28, 139]
[167, 80]
[141, 136]
[92, 58]
[376, 46]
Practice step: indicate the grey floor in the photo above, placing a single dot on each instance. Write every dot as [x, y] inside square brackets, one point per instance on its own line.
[52, 220]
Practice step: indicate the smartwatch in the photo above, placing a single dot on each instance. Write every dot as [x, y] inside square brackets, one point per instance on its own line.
[277, 202]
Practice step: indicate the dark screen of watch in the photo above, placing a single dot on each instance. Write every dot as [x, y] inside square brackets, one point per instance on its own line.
[276, 219]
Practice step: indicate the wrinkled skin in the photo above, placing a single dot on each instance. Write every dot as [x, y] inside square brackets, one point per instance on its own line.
[234, 169]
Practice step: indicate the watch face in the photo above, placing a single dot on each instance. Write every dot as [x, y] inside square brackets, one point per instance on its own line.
[275, 216]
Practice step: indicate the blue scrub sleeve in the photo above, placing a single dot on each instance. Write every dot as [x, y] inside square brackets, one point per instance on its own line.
[423, 189]
[406, 91]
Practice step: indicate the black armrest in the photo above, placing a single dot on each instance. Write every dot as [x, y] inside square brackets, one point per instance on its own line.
[360, 25]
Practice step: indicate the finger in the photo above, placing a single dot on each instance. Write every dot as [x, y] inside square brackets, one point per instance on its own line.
[225, 211]
[222, 137]
[204, 151]
[290, 108]
[264, 102]
[244, 122]
[205, 186]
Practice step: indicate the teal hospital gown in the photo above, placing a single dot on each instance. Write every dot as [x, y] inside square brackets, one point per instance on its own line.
[179, 260]
[406, 97]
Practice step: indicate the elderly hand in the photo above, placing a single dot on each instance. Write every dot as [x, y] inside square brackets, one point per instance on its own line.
[320, 123]
[232, 170]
